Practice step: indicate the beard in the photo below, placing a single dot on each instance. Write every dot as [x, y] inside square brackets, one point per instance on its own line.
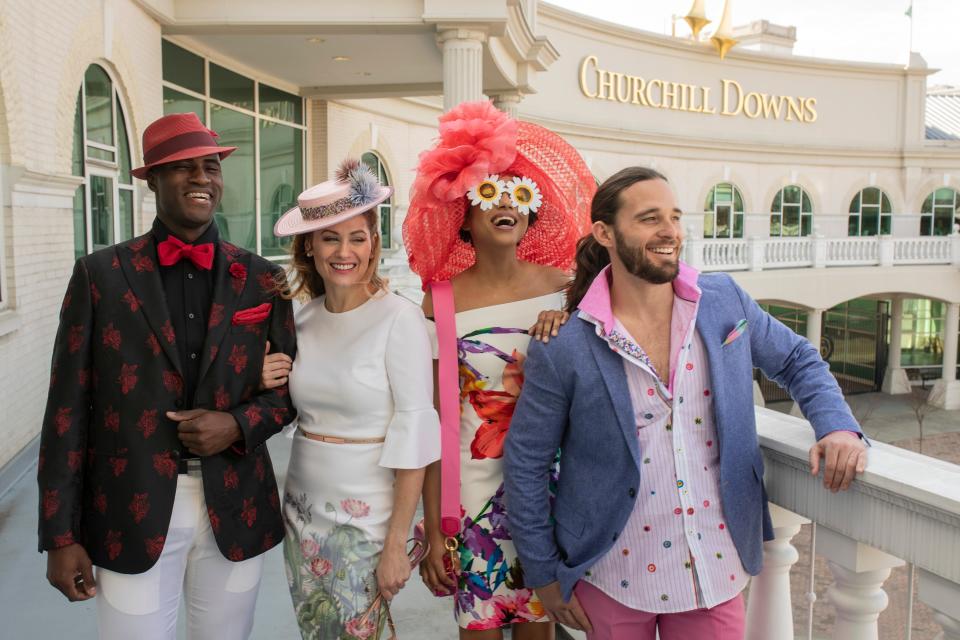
[635, 261]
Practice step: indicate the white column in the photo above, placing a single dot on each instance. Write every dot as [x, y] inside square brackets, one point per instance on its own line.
[462, 65]
[769, 609]
[857, 594]
[887, 250]
[944, 598]
[819, 248]
[508, 102]
[756, 247]
[955, 246]
[815, 327]
[693, 247]
[814, 332]
[946, 392]
[858, 598]
[895, 378]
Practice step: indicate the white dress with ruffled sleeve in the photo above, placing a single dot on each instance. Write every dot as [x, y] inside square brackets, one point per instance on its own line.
[362, 374]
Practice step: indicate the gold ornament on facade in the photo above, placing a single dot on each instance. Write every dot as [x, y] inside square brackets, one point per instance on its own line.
[696, 18]
[723, 38]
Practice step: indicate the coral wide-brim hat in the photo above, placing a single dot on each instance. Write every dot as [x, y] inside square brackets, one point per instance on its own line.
[178, 136]
[353, 191]
[477, 140]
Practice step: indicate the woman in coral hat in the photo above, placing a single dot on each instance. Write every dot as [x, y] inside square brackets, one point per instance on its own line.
[361, 384]
[496, 210]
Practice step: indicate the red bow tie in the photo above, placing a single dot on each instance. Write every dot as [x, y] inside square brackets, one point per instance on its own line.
[171, 250]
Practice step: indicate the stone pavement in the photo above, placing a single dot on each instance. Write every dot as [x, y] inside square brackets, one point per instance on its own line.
[30, 608]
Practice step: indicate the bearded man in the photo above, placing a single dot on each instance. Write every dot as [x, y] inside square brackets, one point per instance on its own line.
[660, 512]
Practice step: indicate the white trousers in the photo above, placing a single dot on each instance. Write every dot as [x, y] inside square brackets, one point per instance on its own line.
[220, 595]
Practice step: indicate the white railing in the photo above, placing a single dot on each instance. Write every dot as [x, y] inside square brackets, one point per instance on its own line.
[760, 254]
[905, 509]
[788, 252]
[730, 255]
[921, 250]
[848, 252]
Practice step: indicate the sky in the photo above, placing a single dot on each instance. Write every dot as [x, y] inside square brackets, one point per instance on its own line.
[863, 30]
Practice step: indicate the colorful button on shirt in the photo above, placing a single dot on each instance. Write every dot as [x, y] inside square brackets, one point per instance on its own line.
[676, 526]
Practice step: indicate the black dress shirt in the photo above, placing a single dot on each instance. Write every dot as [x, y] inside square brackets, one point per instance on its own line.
[189, 292]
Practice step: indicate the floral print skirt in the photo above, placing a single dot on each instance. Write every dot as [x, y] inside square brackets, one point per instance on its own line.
[337, 504]
[491, 592]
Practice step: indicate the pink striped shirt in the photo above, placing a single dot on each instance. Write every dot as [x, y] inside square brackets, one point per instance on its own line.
[675, 553]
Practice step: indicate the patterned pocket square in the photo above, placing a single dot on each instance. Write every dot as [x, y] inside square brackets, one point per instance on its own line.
[736, 332]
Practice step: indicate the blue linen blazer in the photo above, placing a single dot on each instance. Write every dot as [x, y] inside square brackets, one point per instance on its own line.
[575, 398]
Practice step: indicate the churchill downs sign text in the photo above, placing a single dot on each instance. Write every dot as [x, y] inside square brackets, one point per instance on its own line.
[600, 84]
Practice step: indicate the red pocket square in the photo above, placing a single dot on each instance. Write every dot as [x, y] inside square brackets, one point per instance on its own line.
[253, 315]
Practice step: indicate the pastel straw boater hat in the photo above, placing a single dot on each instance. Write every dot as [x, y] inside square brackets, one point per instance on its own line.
[178, 136]
[353, 191]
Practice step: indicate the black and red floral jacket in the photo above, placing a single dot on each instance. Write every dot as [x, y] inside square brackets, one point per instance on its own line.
[109, 455]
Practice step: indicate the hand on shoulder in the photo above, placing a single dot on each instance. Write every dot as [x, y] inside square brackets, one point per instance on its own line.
[548, 324]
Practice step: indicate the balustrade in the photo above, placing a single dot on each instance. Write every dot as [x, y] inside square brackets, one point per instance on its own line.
[905, 508]
[816, 251]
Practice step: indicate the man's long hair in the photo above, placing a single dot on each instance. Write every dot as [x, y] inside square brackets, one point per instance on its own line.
[592, 256]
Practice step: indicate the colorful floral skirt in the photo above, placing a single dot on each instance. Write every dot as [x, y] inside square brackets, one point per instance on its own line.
[337, 504]
[491, 592]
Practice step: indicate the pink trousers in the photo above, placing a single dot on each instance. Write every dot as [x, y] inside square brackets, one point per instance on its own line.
[614, 621]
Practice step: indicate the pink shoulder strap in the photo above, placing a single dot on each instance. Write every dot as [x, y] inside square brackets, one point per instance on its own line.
[449, 387]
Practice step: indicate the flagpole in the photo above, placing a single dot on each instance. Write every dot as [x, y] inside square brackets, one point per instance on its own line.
[910, 15]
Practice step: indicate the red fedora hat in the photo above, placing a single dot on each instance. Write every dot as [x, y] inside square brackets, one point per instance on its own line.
[177, 136]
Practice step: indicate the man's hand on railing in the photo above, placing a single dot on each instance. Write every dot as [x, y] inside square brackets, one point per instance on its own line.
[845, 456]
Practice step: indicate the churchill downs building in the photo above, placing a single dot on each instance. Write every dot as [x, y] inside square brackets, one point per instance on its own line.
[829, 189]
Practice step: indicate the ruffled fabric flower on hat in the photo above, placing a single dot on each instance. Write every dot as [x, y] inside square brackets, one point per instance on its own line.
[476, 140]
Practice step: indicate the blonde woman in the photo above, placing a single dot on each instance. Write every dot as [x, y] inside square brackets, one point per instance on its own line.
[361, 384]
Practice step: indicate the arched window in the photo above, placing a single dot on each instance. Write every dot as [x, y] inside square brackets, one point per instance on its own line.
[940, 211]
[870, 213]
[724, 212]
[791, 213]
[265, 174]
[103, 207]
[385, 209]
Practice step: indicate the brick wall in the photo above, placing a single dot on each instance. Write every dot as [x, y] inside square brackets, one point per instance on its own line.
[317, 136]
[45, 48]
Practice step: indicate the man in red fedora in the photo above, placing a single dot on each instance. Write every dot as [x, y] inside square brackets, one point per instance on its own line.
[153, 464]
